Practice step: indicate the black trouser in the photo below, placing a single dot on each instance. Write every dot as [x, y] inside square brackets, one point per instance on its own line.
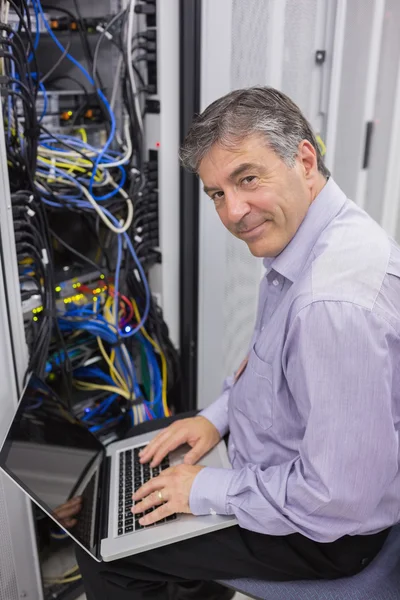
[225, 554]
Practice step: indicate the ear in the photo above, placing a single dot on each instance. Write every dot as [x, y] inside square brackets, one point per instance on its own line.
[307, 157]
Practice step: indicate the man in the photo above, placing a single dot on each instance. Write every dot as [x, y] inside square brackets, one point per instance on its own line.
[313, 413]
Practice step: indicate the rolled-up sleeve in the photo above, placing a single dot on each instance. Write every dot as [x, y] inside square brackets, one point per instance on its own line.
[339, 364]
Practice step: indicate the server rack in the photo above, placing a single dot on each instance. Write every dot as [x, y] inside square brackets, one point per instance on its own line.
[20, 569]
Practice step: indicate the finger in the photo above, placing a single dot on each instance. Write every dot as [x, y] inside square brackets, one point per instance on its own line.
[168, 446]
[69, 523]
[157, 483]
[71, 503]
[147, 453]
[148, 502]
[156, 515]
[67, 511]
[75, 500]
[195, 454]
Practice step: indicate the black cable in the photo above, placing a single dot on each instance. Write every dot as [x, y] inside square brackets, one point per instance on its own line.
[86, 41]
[38, 231]
[27, 91]
[58, 62]
[139, 75]
[78, 83]
[29, 36]
[94, 229]
[81, 28]
[71, 249]
[13, 57]
[85, 46]
[31, 240]
[28, 14]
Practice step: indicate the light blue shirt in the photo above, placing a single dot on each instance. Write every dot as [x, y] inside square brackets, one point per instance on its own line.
[314, 419]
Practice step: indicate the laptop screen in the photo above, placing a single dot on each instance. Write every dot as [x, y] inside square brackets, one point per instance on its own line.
[54, 458]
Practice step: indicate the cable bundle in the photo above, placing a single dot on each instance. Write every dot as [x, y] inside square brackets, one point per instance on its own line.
[134, 366]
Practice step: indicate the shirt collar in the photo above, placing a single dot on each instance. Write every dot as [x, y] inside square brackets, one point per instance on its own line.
[291, 261]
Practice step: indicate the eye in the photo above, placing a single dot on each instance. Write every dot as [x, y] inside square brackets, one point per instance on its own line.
[217, 196]
[248, 180]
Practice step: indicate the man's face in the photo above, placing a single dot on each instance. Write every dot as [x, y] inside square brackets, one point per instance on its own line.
[258, 198]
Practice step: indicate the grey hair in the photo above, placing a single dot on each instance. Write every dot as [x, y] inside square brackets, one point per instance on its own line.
[253, 111]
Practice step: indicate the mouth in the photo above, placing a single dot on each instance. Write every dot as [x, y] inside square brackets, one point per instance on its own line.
[252, 234]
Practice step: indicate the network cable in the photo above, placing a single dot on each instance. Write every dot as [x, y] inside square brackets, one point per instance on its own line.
[69, 174]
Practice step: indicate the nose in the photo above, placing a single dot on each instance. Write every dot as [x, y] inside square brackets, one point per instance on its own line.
[236, 206]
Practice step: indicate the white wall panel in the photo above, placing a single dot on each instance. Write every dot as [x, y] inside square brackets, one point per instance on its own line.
[245, 43]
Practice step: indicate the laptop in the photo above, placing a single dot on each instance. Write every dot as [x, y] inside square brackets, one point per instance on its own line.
[53, 458]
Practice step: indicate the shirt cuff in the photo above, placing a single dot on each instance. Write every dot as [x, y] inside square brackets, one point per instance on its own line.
[210, 490]
[217, 413]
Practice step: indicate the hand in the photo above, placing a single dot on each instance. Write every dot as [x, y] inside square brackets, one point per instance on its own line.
[198, 432]
[175, 485]
[65, 512]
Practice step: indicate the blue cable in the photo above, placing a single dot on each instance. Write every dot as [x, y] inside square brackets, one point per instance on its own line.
[91, 326]
[134, 330]
[100, 94]
[93, 372]
[155, 375]
[101, 408]
[73, 141]
[35, 405]
[13, 87]
[107, 403]
[98, 427]
[85, 204]
[110, 156]
[157, 401]
[75, 181]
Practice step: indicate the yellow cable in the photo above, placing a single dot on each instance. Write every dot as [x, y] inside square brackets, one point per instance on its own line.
[107, 312]
[164, 370]
[108, 315]
[84, 385]
[70, 167]
[82, 131]
[61, 581]
[69, 572]
[113, 371]
[125, 386]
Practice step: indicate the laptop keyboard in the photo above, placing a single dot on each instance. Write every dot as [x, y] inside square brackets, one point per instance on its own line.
[132, 475]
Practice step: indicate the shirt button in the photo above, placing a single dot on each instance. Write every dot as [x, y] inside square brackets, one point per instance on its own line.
[262, 328]
[275, 282]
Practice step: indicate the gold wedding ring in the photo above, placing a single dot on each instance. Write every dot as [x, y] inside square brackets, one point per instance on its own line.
[160, 496]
